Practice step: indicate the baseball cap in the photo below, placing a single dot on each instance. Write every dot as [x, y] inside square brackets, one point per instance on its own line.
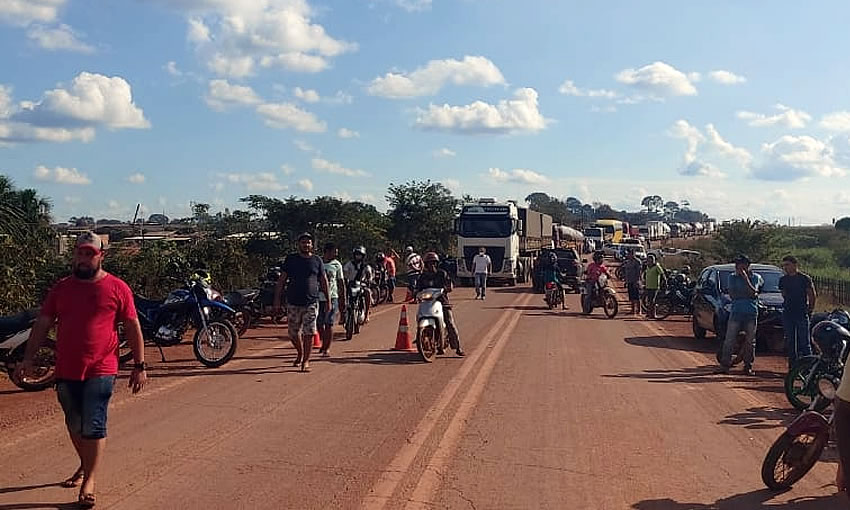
[305, 235]
[90, 240]
[742, 259]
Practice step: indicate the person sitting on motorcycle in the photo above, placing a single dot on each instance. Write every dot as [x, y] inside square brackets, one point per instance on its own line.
[357, 270]
[551, 273]
[435, 278]
[594, 270]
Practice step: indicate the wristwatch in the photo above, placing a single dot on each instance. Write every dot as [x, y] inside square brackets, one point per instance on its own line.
[139, 367]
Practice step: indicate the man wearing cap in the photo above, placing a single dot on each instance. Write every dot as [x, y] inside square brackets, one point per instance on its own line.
[303, 275]
[86, 307]
[743, 288]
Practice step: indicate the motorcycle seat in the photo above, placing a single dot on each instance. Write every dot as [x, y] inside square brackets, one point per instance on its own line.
[16, 323]
[241, 296]
[145, 304]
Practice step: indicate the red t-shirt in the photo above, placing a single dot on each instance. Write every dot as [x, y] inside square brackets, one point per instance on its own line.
[594, 271]
[389, 263]
[87, 314]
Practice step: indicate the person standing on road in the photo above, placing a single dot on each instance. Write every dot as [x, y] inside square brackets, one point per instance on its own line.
[330, 308]
[86, 307]
[303, 275]
[435, 278]
[800, 298]
[631, 275]
[743, 288]
[414, 268]
[482, 266]
[389, 266]
[653, 275]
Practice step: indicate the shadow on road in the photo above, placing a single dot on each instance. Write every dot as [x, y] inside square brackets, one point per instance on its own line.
[761, 418]
[380, 357]
[687, 375]
[40, 506]
[757, 500]
[678, 343]
[513, 290]
[517, 307]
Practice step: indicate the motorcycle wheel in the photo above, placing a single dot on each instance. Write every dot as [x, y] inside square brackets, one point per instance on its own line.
[610, 306]
[349, 324]
[426, 344]
[699, 333]
[550, 302]
[790, 458]
[663, 308]
[43, 369]
[242, 321]
[797, 392]
[215, 344]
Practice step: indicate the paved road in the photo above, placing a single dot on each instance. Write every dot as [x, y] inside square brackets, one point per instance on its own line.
[548, 410]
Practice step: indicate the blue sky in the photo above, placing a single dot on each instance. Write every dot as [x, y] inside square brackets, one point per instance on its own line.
[738, 107]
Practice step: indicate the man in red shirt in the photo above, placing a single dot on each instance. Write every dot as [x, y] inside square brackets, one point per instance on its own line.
[86, 308]
[389, 265]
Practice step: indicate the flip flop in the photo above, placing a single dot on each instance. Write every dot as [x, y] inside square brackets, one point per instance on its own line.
[305, 367]
[87, 500]
[73, 480]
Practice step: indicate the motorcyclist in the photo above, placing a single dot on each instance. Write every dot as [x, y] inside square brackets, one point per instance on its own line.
[594, 270]
[435, 278]
[357, 270]
[551, 273]
[414, 268]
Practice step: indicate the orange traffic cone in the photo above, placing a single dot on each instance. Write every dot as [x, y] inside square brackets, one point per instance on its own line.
[317, 341]
[402, 339]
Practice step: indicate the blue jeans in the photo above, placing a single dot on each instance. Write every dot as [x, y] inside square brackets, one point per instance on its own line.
[480, 284]
[735, 325]
[797, 335]
[85, 403]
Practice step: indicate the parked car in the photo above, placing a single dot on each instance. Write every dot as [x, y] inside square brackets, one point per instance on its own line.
[712, 305]
[639, 252]
[632, 241]
[668, 251]
[610, 249]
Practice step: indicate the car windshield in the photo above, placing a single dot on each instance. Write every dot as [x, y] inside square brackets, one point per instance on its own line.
[484, 226]
[770, 277]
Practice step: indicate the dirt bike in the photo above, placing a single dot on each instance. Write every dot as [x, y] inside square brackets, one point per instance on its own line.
[599, 294]
[14, 333]
[798, 449]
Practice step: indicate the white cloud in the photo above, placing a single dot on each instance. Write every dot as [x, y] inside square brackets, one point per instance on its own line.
[233, 36]
[24, 12]
[414, 5]
[787, 117]
[569, 88]
[287, 115]
[61, 175]
[710, 144]
[445, 152]
[222, 94]
[171, 68]
[518, 176]
[5, 101]
[93, 99]
[72, 200]
[660, 79]
[306, 184]
[520, 114]
[603, 109]
[347, 133]
[793, 158]
[136, 178]
[61, 37]
[262, 181]
[323, 165]
[726, 77]
[836, 121]
[452, 184]
[339, 98]
[308, 96]
[304, 146]
[428, 80]
[287, 170]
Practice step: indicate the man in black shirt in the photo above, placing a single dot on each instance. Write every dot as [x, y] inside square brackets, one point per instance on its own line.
[800, 297]
[302, 274]
[434, 278]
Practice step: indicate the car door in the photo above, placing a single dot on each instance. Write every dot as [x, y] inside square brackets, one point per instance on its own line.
[702, 308]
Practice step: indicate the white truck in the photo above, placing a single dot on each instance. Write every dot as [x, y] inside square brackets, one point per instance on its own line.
[512, 235]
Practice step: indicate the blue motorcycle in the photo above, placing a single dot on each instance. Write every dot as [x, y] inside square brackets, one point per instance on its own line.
[165, 322]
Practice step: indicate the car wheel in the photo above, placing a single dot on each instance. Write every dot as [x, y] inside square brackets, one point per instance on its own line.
[699, 333]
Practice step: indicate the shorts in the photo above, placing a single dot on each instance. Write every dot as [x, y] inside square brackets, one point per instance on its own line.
[328, 315]
[302, 319]
[651, 294]
[85, 403]
[634, 291]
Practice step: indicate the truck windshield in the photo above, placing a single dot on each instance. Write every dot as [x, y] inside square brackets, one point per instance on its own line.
[484, 226]
[593, 232]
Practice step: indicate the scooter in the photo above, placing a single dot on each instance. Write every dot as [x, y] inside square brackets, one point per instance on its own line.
[431, 332]
[14, 333]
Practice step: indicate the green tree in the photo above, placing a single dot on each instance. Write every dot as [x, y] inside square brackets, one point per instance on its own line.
[652, 203]
[758, 240]
[671, 209]
[843, 224]
[421, 214]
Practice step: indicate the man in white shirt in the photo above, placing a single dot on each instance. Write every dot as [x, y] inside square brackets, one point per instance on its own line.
[481, 268]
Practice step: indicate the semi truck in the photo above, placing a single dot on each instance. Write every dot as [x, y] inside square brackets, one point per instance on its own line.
[512, 235]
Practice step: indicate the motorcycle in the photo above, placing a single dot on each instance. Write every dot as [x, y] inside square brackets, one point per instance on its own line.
[14, 333]
[798, 449]
[380, 288]
[431, 332]
[599, 294]
[355, 309]
[554, 296]
[252, 305]
[675, 298]
[165, 322]
[831, 341]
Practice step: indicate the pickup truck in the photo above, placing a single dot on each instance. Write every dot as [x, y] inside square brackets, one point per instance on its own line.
[570, 266]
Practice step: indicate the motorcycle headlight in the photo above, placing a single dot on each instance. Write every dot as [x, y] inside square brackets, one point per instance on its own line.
[426, 296]
[826, 387]
[207, 311]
